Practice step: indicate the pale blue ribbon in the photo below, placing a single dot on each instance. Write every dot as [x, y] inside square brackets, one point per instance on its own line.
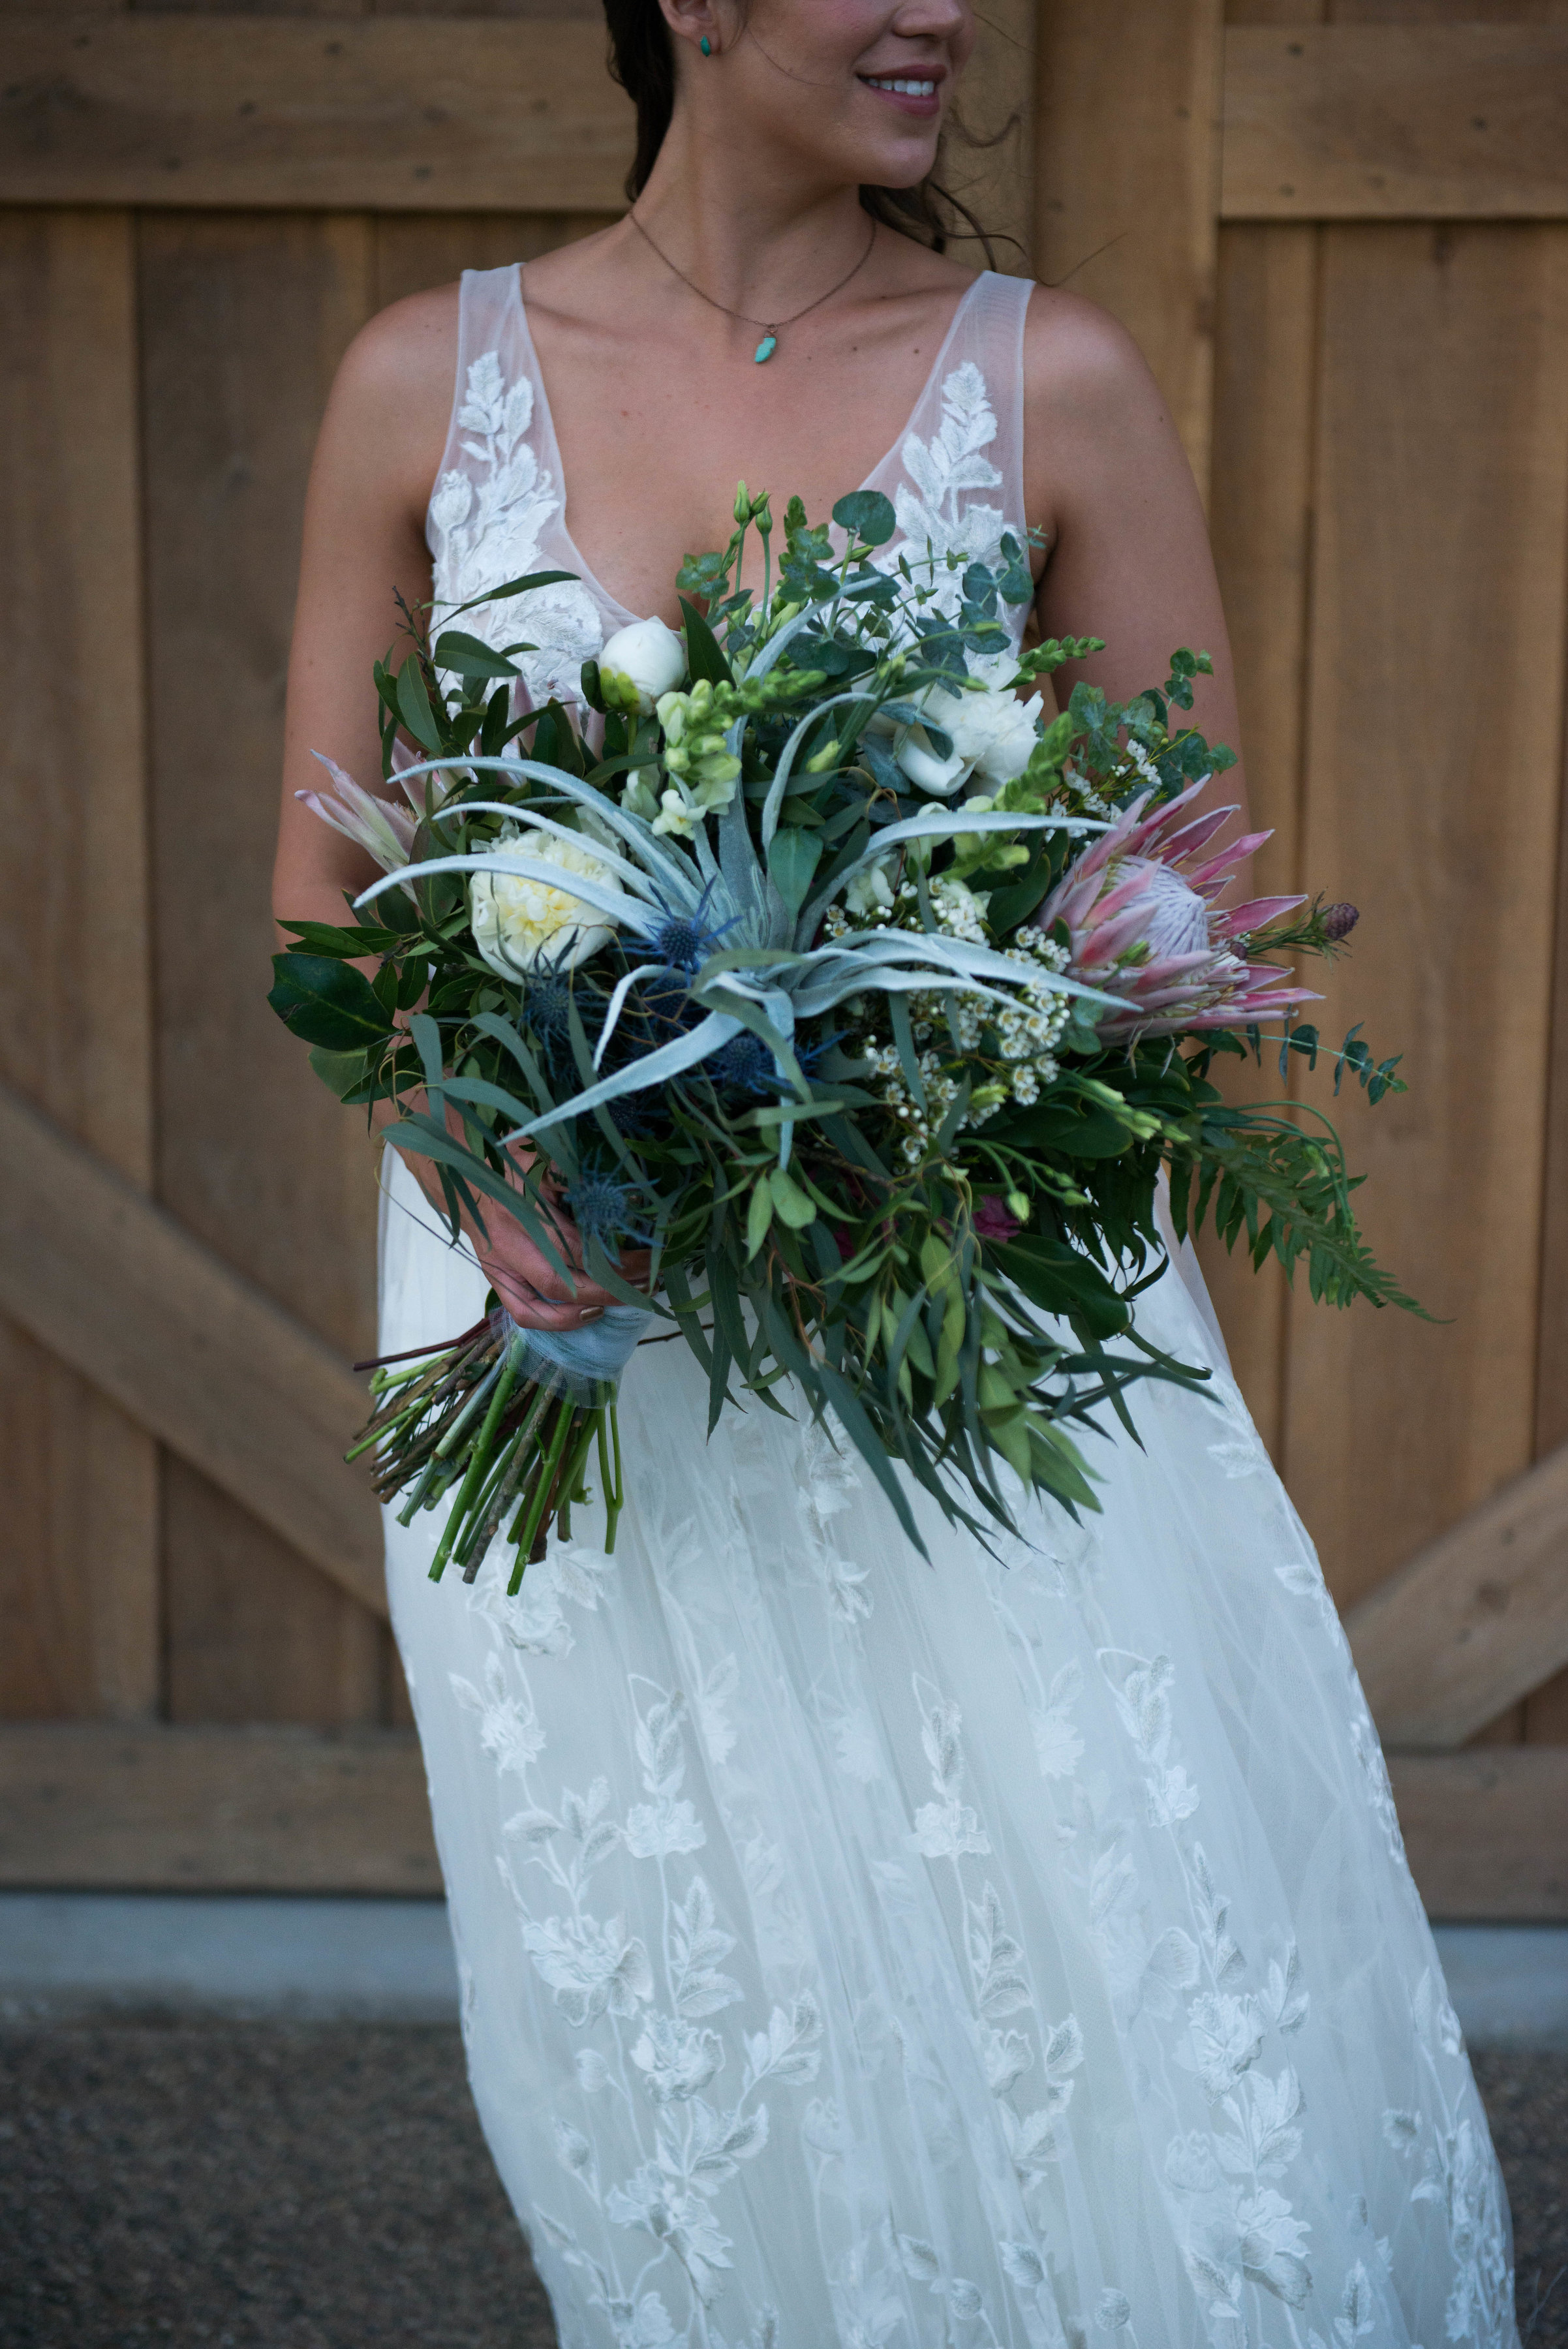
[578, 1362]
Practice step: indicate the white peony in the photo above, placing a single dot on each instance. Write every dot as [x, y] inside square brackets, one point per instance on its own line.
[519, 922]
[992, 732]
[640, 662]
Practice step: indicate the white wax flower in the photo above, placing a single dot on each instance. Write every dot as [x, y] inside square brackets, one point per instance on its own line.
[870, 892]
[639, 663]
[992, 732]
[519, 922]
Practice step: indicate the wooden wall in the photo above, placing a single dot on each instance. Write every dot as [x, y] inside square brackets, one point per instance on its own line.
[1341, 232]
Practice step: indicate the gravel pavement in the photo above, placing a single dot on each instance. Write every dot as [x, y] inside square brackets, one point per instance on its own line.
[265, 2186]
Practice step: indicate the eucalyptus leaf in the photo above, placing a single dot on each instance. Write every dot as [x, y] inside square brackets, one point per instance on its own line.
[866, 515]
[467, 656]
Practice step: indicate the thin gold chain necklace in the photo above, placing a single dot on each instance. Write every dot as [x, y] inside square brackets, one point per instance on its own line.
[772, 328]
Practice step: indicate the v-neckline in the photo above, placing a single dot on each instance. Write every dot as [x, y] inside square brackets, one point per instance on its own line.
[590, 579]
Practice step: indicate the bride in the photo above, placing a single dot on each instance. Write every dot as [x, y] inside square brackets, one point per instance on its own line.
[857, 1950]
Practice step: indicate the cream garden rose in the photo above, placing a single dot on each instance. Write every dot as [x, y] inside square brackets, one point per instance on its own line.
[519, 922]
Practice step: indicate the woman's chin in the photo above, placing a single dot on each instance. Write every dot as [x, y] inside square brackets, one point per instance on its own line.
[894, 162]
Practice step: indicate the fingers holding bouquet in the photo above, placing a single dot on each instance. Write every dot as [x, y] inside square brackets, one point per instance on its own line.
[538, 1294]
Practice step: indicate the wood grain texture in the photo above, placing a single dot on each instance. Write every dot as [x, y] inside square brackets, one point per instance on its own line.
[1260, 505]
[1475, 1620]
[389, 113]
[214, 1810]
[988, 155]
[122, 1293]
[1434, 739]
[1358, 122]
[79, 1602]
[79, 1590]
[1552, 1361]
[1127, 134]
[244, 321]
[1546, 1710]
[1486, 1834]
[414, 251]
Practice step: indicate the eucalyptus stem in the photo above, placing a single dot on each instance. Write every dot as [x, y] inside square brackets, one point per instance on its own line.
[615, 1497]
[526, 1525]
[502, 1378]
[498, 1498]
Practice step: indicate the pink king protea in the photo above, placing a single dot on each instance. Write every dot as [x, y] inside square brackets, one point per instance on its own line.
[1140, 927]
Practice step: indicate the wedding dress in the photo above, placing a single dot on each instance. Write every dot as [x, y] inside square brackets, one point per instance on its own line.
[867, 1951]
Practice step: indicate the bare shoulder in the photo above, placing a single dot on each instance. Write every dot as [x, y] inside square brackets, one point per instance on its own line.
[1098, 434]
[391, 396]
[1080, 363]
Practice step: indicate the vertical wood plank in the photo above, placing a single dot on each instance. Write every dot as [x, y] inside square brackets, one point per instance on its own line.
[988, 159]
[1127, 136]
[1262, 524]
[79, 1594]
[244, 320]
[1546, 1710]
[1434, 739]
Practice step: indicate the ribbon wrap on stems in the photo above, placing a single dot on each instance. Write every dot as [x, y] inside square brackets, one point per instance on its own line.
[578, 1363]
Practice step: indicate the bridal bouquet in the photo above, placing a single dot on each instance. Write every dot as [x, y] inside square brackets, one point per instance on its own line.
[818, 963]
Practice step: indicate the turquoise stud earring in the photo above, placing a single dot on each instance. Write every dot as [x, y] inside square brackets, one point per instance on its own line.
[706, 46]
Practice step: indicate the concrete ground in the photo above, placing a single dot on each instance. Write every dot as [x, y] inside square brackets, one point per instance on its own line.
[275, 2185]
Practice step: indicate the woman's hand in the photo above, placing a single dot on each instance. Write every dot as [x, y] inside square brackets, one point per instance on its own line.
[521, 1276]
[528, 1285]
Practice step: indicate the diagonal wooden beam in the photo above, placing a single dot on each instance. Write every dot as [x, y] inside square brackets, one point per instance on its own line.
[194, 1353]
[1475, 1620]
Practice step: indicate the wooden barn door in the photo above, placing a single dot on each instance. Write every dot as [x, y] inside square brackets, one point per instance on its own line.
[1341, 233]
[1340, 230]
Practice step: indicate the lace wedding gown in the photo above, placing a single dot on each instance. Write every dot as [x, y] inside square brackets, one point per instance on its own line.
[867, 1951]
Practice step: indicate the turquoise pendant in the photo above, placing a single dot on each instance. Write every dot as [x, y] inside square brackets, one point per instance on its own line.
[766, 348]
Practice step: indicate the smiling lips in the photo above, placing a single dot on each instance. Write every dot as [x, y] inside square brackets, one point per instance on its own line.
[916, 93]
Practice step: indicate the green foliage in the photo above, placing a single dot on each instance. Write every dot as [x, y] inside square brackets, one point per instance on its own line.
[326, 1001]
[800, 1227]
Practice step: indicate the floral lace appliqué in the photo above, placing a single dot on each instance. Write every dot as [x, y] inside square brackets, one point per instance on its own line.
[487, 522]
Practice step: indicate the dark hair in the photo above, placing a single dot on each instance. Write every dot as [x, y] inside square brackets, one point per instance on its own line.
[642, 60]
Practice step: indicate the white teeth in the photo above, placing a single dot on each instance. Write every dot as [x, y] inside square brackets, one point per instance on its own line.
[903, 88]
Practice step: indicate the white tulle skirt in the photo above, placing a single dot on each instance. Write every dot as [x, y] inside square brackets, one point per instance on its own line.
[857, 1950]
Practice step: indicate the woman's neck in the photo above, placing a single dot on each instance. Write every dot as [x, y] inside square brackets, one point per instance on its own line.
[757, 238]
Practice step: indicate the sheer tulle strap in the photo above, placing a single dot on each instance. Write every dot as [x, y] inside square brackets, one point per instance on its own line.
[956, 478]
[497, 511]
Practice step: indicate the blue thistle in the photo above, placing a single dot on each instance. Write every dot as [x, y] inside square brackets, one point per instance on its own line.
[744, 1065]
[547, 1002]
[601, 1209]
[684, 940]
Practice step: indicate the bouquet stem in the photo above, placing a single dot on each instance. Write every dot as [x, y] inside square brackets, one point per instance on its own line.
[474, 1413]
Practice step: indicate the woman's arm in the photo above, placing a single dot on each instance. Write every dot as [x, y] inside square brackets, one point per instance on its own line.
[1128, 555]
[375, 460]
